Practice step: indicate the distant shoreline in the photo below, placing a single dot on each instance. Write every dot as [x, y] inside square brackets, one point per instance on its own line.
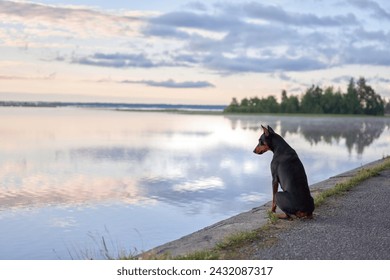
[161, 108]
[119, 106]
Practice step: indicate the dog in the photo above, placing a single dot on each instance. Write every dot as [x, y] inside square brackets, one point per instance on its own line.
[288, 171]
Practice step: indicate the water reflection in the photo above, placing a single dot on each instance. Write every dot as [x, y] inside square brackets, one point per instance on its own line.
[357, 133]
[182, 178]
[163, 174]
[135, 164]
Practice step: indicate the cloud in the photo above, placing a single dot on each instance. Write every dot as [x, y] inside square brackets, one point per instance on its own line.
[342, 79]
[382, 79]
[196, 6]
[371, 79]
[198, 21]
[282, 76]
[262, 65]
[253, 37]
[361, 35]
[8, 78]
[374, 7]
[368, 55]
[172, 84]
[48, 77]
[277, 14]
[232, 17]
[224, 38]
[165, 32]
[200, 185]
[121, 60]
[294, 43]
[75, 20]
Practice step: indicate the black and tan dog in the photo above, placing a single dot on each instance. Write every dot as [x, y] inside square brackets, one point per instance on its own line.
[288, 171]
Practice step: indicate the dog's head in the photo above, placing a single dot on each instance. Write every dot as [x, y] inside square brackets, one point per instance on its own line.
[264, 141]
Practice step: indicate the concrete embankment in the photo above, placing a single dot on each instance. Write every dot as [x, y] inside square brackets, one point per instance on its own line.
[254, 219]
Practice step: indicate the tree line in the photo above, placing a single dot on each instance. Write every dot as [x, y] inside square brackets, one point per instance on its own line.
[360, 99]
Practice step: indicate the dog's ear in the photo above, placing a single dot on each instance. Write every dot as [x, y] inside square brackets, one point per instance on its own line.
[265, 130]
[271, 130]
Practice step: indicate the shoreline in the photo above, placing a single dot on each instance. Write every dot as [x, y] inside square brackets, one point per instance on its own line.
[190, 109]
[210, 236]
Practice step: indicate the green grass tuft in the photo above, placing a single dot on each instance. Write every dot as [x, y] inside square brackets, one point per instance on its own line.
[272, 217]
[237, 239]
[201, 255]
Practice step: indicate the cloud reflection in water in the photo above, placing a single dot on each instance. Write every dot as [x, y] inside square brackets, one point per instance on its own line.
[210, 159]
[168, 174]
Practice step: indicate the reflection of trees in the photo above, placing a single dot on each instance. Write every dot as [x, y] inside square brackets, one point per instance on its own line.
[357, 133]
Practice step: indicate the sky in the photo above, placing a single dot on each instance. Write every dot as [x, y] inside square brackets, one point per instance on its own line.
[189, 52]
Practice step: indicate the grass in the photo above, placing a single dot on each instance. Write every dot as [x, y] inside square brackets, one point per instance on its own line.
[201, 255]
[238, 238]
[102, 247]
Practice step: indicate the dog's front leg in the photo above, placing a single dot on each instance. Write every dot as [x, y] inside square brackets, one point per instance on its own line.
[274, 191]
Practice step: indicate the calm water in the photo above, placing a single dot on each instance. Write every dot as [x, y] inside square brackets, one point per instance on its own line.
[72, 177]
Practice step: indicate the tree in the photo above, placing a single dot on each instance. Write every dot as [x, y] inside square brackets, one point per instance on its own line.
[284, 103]
[370, 102]
[338, 103]
[293, 105]
[387, 108]
[234, 102]
[233, 107]
[290, 104]
[244, 106]
[271, 105]
[244, 102]
[311, 101]
[254, 103]
[332, 102]
[360, 98]
[351, 99]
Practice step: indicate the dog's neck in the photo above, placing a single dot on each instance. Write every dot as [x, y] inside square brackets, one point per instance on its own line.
[279, 145]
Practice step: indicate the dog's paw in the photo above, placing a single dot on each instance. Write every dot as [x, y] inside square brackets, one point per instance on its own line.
[283, 216]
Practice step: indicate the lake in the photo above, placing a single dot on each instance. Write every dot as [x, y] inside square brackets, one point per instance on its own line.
[83, 183]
